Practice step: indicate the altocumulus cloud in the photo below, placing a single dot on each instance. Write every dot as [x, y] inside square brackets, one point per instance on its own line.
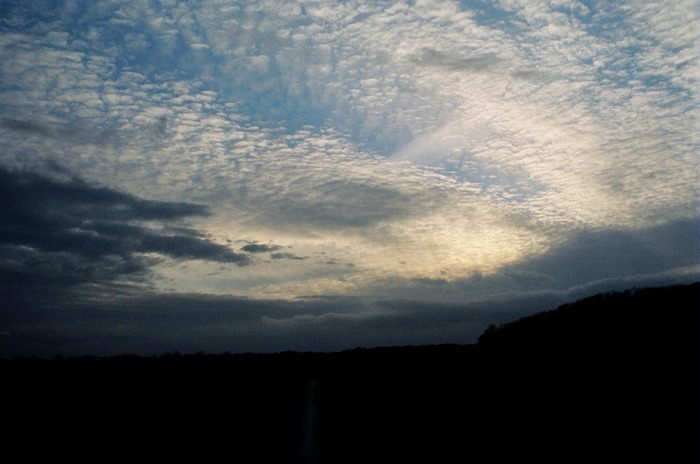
[291, 171]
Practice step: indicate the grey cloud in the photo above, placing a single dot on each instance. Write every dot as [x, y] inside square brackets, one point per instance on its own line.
[477, 64]
[264, 248]
[259, 248]
[435, 58]
[27, 273]
[33, 194]
[24, 126]
[84, 134]
[429, 281]
[147, 323]
[537, 77]
[339, 204]
[287, 256]
[187, 247]
[590, 256]
[72, 134]
[62, 232]
[589, 262]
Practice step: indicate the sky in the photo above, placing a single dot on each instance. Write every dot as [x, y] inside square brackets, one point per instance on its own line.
[265, 176]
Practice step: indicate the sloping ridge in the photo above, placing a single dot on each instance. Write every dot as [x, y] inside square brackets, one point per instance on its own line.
[609, 378]
[658, 317]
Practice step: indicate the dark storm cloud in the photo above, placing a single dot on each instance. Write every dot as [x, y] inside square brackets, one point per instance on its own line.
[60, 231]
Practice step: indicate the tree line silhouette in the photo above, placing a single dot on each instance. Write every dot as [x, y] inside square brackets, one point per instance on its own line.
[610, 378]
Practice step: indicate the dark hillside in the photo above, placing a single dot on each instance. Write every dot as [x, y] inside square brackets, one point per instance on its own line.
[612, 378]
[648, 317]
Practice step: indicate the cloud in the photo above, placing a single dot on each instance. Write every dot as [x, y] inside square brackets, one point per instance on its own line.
[61, 230]
[74, 135]
[436, 58]
[339, 204]
[428, 281]
[287, 256]
[594, 256]
[427, 311]
[451, 151]
[150, 323]
[259, 248]
[535, 116]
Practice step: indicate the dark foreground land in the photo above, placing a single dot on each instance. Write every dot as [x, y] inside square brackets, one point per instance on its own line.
[612, 378]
